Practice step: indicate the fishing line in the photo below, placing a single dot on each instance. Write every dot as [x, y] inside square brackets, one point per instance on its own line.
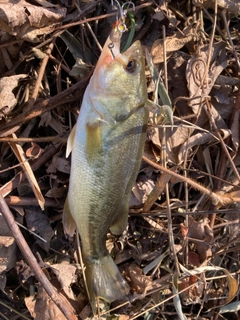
[120, 26]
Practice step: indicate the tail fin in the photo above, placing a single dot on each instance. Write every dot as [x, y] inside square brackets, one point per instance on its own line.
[104, 279]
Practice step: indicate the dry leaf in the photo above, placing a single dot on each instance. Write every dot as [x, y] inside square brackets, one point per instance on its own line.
[195, 140]
[8, 250]
[39, 223]
[43, 307]
[61, 164]
[177, 83]
[4, 229]
[7, 98]
[200, 231]
[232, 6]
[196, 68]
[35, 151]
[194, 259]
[139, 281]
[48, 120]
[232, 283]
[235, 130]
[173, 44]
[163, 12]
[56, 193]
[66, 275]
[192, 295]
[8, 257]
[176, 137]
[157, 190]
[29, 22]
[141, 190]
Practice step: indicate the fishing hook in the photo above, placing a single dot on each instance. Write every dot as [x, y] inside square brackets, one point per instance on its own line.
[123, 12]
[129, 3]
[122, 26]
[120, 9]
[118, 29]
[111, 46]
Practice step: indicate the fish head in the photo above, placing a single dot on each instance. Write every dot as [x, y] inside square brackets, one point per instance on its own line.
[121, 76]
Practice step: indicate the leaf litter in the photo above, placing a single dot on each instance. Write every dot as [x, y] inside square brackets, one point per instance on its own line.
[180, 254]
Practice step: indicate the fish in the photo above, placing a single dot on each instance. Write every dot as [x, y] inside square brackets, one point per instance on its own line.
[107, 145]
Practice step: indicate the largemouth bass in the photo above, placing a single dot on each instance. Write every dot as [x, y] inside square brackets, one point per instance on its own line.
[107, 145]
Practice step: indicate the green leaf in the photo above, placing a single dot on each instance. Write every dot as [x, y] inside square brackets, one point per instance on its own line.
[158, 81]
[75, 47]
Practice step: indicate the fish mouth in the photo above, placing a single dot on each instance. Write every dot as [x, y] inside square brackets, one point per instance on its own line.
[133, 53]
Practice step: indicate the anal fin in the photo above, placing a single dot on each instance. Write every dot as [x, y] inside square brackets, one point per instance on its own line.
[120, 224]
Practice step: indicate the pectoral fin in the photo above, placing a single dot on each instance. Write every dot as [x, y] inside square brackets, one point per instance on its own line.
[93, 138]
[69, 223]
[70, 141]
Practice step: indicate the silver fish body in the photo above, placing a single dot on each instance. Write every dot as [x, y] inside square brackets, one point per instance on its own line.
[107, 146]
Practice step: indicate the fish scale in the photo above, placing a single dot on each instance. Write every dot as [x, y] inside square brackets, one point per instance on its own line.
[107, 145]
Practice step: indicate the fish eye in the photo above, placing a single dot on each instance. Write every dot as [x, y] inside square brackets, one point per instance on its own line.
[131, 66]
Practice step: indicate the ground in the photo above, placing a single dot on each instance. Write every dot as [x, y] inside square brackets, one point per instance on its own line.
[180, 254]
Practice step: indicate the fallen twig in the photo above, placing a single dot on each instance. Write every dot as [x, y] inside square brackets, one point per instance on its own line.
[21, 176]
[217, 199]
[57, 298]
[69, 95]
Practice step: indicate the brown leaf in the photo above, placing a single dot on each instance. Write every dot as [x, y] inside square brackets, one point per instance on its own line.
[195, 72]
[48, 120]
[184, 230]
[43, 307]
[232, 6]
[200, 231]
[34, 152]
[39, 223]
[157, 190]
[222, 99]
[57, 193]
[235, 130]
[195, 140]
[192, 295]
[66, 275]
[142, 188]
[7, 253]
[200, 138]
[4, 230]
[29, 22]
[173, 44]
[61, 164]
[176, 138]
[140, 282]
[177, 83]
[194, 259]
[7, 98]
